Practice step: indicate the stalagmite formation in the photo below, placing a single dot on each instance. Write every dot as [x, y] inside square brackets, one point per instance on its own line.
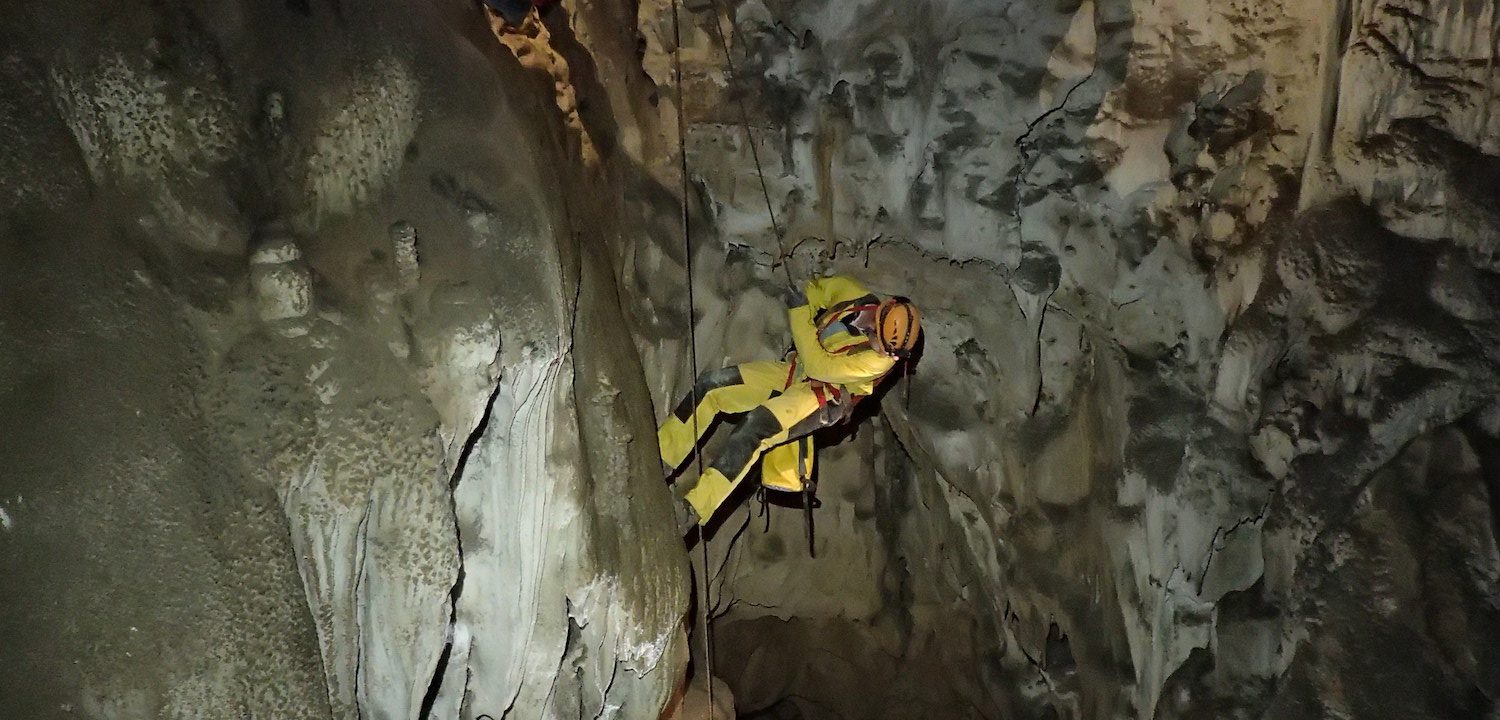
[317, 399]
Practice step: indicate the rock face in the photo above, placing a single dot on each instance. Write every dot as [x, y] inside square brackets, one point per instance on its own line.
[1199, 428]
[332, 337]
[317, 400]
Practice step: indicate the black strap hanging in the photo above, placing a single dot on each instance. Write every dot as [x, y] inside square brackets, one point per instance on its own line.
[809, 501]
[765, 507]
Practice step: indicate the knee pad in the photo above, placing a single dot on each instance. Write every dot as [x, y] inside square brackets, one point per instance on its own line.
[709, 380]
[745, 441]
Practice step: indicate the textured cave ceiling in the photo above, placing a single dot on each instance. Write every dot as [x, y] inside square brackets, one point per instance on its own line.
[333, 334]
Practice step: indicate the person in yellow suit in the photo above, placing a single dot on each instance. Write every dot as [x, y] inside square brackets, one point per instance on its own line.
[845, 340]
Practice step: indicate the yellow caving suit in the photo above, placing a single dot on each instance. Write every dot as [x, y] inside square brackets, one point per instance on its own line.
[833, 365]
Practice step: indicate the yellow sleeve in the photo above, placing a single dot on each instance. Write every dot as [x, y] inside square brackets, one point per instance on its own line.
[859, 368]
[829, 291]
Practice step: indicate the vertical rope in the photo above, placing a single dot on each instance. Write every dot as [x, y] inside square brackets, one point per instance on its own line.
[765, 192]
[1489, 73]
[687, 244]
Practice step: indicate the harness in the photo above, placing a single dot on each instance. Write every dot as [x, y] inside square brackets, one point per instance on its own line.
[826, 392]
[804, 470]
[834, 314]
[821, 390]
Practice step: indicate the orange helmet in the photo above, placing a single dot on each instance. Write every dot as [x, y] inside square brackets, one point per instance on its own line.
[897, 325]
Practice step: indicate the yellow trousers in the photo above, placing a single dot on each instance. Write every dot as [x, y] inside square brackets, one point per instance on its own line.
[776, 415]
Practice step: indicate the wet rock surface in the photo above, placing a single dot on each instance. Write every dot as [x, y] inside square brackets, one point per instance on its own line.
[316, 399]
[333, 335]
[1206, 288]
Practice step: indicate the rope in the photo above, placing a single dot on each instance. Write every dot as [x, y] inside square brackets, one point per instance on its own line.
[687, 244]
[781, 256]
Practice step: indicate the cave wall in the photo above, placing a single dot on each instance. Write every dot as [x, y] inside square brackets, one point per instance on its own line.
[317, 401]
[333, 332]
[1204, 284]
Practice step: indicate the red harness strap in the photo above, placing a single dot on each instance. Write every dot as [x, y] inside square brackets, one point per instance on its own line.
[832, 317]
[819, 388]
[819, 393]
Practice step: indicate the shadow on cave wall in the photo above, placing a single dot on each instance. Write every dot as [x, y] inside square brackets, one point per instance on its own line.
[785, 665]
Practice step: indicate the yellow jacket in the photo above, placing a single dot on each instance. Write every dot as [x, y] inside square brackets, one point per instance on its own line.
[842, 359]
